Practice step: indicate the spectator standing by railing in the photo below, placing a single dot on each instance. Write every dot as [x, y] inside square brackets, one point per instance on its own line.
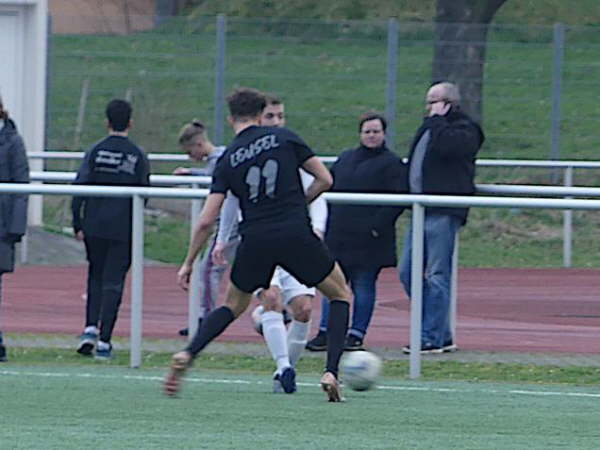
[363, 238]
[13, 207]
[441, 161]
[105, 227]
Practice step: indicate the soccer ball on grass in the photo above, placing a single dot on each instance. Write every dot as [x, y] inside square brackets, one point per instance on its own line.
[360, 370]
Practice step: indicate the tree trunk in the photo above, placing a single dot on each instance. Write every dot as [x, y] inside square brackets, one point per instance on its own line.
[460, 44]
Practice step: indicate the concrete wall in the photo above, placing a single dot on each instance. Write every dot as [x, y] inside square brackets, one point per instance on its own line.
[101, 16]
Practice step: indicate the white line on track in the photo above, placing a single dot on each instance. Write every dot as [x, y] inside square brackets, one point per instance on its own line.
[246, 382]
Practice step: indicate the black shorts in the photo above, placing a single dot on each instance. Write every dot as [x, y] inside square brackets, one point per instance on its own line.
[302, 254]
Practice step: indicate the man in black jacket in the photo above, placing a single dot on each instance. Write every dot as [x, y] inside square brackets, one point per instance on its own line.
[105, 226]
[441, 161]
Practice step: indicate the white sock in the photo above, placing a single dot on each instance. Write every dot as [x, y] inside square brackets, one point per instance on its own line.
[296, 340]
[92, 329]
[274, 333]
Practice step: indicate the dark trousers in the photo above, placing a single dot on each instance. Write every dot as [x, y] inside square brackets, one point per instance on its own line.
[0, 306]
[109, 261]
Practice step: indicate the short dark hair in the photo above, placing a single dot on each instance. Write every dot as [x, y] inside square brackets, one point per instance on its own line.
[272, 99]
[118, 113]
[246, 103]
[372, 115]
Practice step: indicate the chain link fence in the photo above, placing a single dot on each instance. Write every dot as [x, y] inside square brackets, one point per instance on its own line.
[538, 101]
[536, 87]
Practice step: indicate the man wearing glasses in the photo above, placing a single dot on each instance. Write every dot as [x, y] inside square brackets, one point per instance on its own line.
[441, 161]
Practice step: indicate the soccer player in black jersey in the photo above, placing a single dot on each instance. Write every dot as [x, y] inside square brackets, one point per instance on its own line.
[260, 167]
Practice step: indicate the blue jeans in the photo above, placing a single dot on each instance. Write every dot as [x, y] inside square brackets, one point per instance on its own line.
[363, 285]
[439, 234]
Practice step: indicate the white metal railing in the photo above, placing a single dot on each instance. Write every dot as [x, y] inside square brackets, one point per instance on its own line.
[165, 157]
[495, 189]
[176, 157]
[566, 166]
[418, 202]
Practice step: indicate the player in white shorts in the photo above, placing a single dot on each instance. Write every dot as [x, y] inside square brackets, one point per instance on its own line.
[285, 346]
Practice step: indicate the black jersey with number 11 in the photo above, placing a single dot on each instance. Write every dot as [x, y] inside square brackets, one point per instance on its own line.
[260, 167]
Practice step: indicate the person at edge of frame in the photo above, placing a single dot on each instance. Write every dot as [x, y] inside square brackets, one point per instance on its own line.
[14, 168]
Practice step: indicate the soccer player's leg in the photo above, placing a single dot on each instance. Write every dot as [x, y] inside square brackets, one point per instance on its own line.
[216, 323]
[298, 298]
[274, 332]
[247, 274]
[334, 287]
[310, 262]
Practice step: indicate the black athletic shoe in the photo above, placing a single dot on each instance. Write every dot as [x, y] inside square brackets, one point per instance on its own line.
[87, 342]
[288, 380]
[318, 343]
[186, 331]
[425, 349]
[449, 347]
[2, 353]
[353, 343]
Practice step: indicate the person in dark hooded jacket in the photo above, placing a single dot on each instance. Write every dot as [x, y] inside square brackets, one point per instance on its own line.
[441, 162]
[363, 237]
[13, 207]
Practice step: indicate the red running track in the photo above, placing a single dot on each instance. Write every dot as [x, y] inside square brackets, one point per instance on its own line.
[525, 310]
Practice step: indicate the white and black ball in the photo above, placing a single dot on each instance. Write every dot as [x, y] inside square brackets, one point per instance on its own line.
[360, 370]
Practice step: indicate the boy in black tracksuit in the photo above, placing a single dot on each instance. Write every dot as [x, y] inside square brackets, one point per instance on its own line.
[105, 226]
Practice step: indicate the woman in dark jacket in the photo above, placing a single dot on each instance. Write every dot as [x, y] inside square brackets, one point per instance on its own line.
[363, 238]
[13, 207]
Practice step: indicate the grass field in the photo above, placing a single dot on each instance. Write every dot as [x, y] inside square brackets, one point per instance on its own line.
[64, 407]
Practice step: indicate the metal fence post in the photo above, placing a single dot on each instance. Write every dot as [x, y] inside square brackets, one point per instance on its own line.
[416, 289]
[194, 290]
[568, 223]
[220, 79]
[137, 280]
[392, 73]
[559, 50]
[454, 288]
[24, 249]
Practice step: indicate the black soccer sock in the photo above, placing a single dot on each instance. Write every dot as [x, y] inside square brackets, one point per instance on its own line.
[212, 326]
[337, 325]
